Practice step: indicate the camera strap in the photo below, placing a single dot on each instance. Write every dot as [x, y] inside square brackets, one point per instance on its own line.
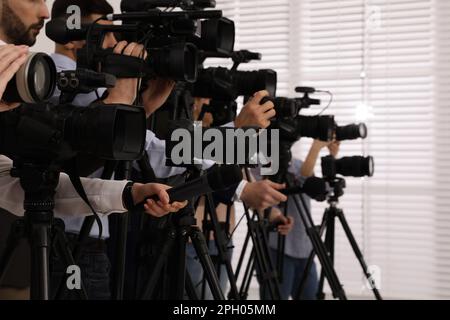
[72, 170]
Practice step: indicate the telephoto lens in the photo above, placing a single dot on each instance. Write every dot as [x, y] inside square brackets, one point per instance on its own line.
[34, 82]
[316, 127]
[356, 166]
[351, 132]
[223, 84]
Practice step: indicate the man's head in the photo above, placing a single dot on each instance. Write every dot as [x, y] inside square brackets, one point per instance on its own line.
[91, 10]
[21, 20]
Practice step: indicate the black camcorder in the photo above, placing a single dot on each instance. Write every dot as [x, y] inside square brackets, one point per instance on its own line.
[288, 108]
[172, 39]
[46, 133]
[223, 84]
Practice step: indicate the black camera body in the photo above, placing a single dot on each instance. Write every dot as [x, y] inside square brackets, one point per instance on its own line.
[46, 133]
[223, 84]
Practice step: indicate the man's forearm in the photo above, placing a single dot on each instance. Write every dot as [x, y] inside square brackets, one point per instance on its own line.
[307, 169]
[105, 196]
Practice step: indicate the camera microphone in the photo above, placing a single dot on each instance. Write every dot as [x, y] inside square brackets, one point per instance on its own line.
[314, 187]
[218, 179]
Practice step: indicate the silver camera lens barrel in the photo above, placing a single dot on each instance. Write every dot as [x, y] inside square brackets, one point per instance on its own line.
[36, 79]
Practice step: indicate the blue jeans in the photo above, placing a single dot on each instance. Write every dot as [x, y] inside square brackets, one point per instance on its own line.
[195, 270]
[95, 269]
[293, 270]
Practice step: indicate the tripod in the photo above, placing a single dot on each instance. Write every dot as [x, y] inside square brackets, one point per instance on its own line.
[221, 241]
[328, 226]
[259, 257]
[172, 256]
[38, 226]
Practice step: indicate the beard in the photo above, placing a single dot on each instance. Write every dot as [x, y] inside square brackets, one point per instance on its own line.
[15, 30]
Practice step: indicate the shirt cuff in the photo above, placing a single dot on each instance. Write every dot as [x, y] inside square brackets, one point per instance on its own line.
[239, 190]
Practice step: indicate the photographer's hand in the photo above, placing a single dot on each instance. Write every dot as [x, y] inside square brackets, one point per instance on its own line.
[11, 59]
[159, 208]
[334, 147]
[263, 194]
[156, 94]
[254, 114]
[124, 91]
[284, 224]
[307, 169]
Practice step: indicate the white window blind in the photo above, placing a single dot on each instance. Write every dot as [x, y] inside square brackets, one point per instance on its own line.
[387, 62]
[381, 55]
[442, 148]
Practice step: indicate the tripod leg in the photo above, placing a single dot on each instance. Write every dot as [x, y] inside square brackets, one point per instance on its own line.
[358, 253]
[309, 263]
[17, 232]
[119, 274]
[246, 280]
[281, 247]
[201, 248]
[320, 249]
[221, 244]
[268, 274]
[39, 245]
[242, 257]
[251, 271]
[329, 244]
[62, 245]
[190, 288]
[150, 286]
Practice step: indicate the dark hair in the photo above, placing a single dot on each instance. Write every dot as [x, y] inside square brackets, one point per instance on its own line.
[87, 7]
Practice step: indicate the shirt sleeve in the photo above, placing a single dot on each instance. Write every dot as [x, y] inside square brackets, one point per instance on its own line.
[156, 150]
[105, 196]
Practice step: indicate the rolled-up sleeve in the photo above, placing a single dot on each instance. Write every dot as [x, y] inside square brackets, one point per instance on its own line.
[105, 196]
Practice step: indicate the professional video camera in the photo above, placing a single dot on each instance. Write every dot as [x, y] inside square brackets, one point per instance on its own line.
[171, 38]
[293, 126]
[223, 86]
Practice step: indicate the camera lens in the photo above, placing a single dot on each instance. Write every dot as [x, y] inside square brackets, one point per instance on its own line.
[351, 132]
[178, 61]
[249, 82]
[318, 127]
[34, 82]
[356, 166]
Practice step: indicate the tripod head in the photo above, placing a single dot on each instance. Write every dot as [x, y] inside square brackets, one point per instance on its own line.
[337, 186]
[285, 160]
[39, 182]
